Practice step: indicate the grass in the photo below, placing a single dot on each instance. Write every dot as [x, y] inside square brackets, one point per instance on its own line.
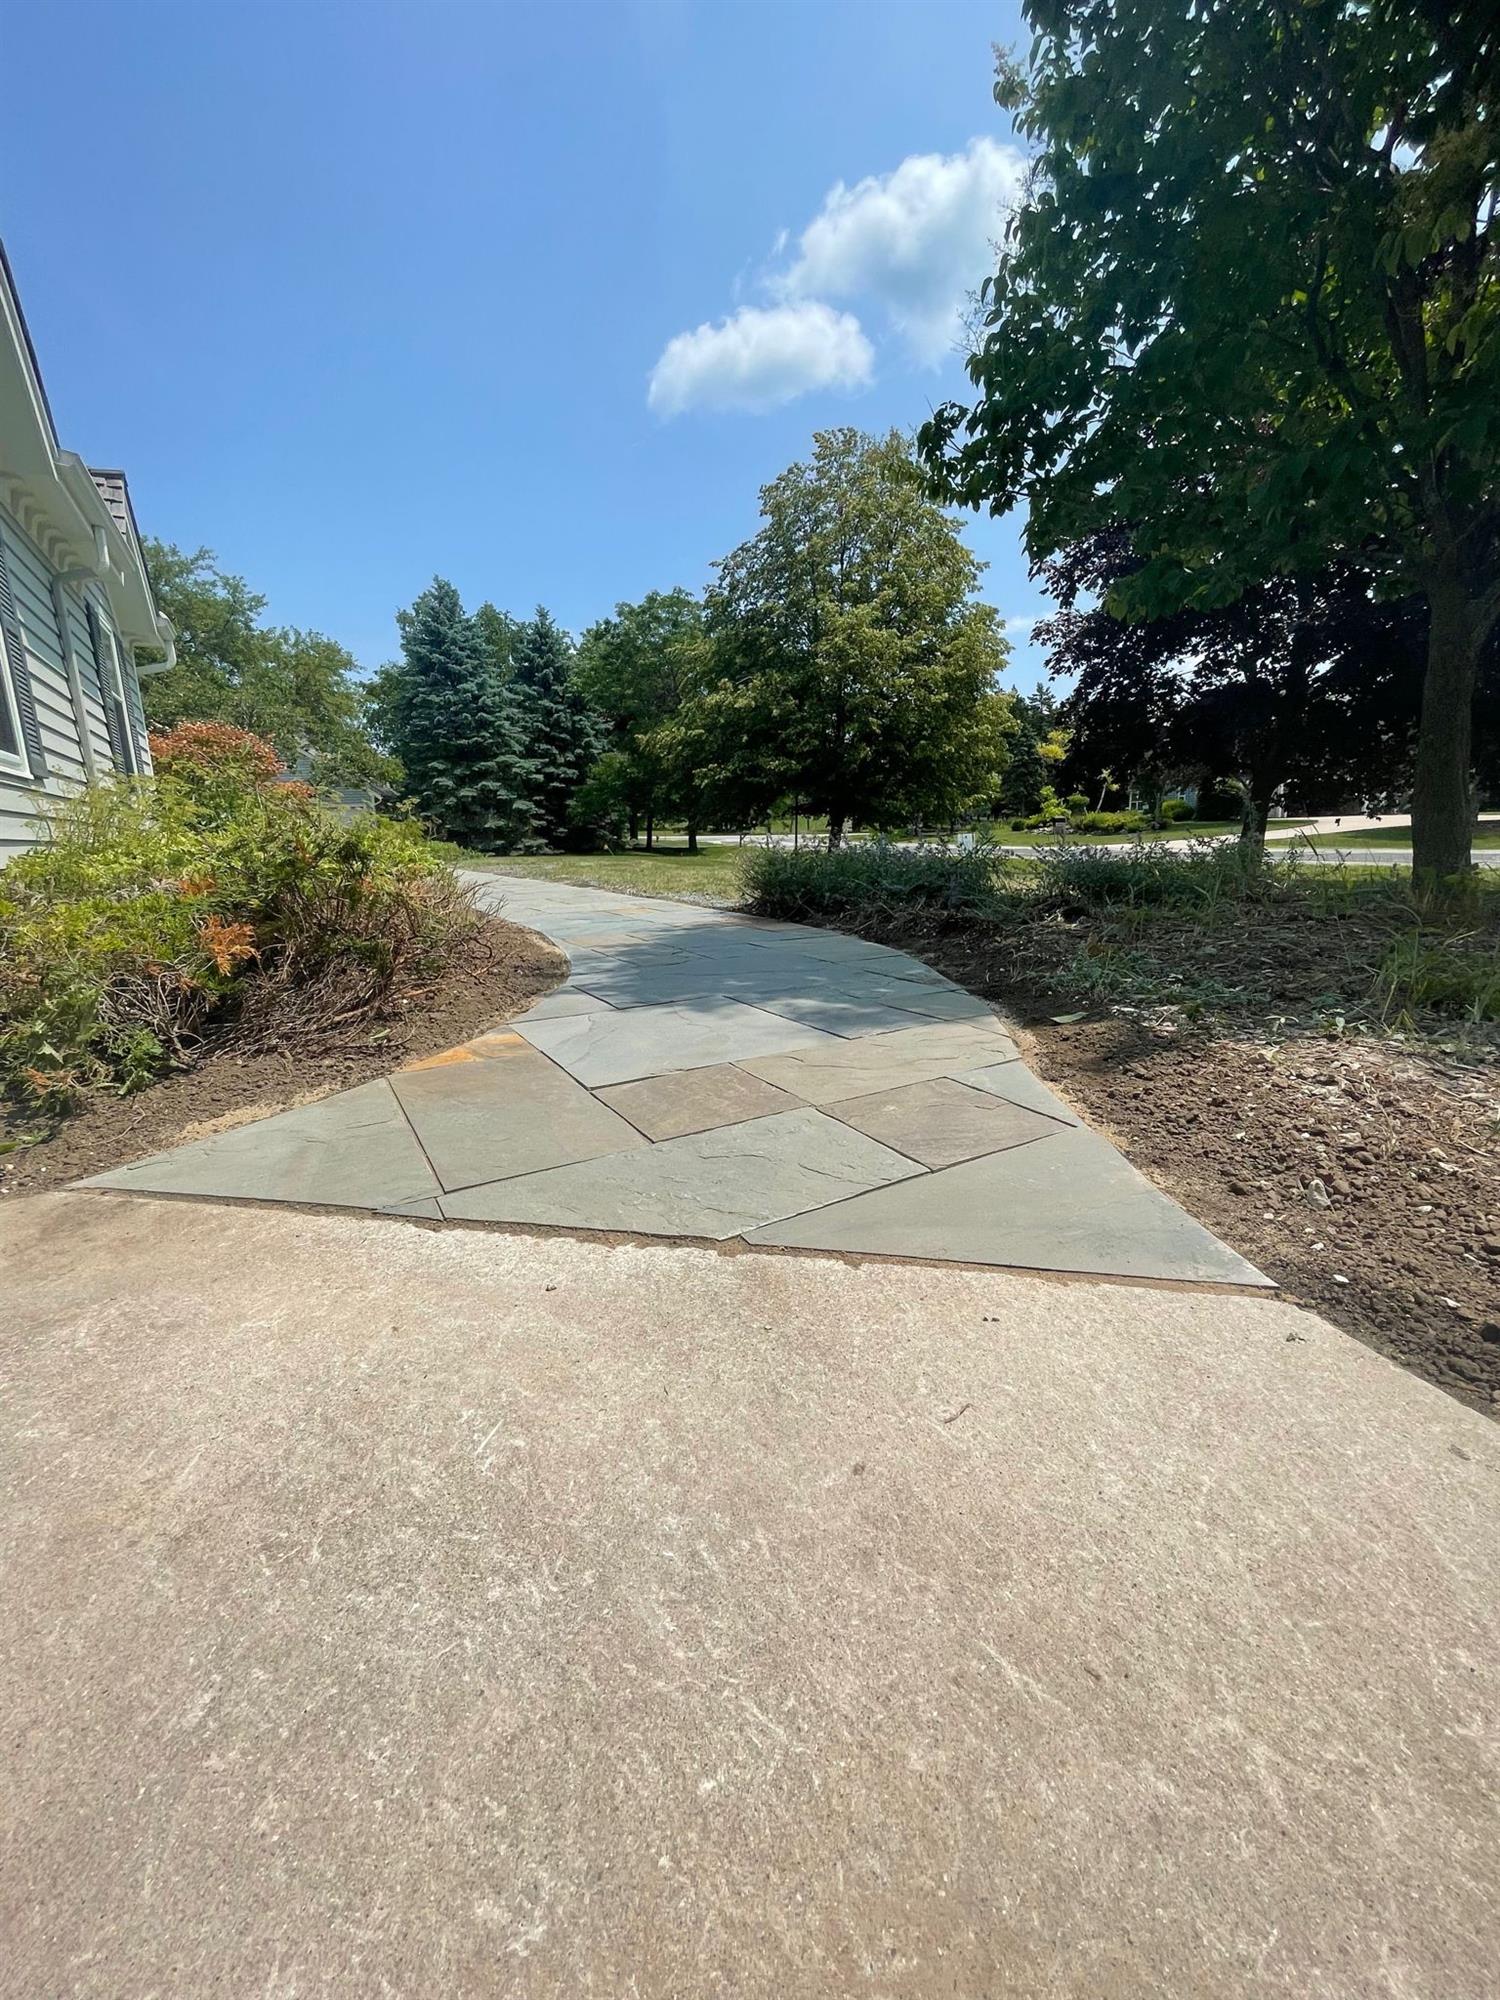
[712, 875]
[1183, 829]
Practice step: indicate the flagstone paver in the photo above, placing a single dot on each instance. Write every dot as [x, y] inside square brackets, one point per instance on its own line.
[702, 1073]
[1067, 1203]
[355, 1150]
[695, 1100]
[942, 1122]
[643, 1041]
[512, 1113]
[713, 1184]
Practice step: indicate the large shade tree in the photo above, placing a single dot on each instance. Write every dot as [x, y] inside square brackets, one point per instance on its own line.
[637, 670]
[1249, 305]
[1308, 682]
[856, 667]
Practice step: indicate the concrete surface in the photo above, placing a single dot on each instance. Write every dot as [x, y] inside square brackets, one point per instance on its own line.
[409, 1611]
[726, 1036]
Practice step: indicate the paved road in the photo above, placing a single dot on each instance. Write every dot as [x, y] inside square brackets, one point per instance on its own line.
[703, 1075]
[406, 1611]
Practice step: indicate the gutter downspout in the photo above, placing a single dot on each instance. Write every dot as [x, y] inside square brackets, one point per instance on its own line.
[70, 661]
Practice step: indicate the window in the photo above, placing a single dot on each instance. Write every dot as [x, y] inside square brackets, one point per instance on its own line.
[15, 684]
[112, 694]
[12, 756]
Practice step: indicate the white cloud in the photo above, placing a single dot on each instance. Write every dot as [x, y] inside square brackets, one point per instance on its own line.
[759, 357]
[918, 239]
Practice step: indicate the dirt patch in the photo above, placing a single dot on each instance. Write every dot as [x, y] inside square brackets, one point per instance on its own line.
[499, 974]
[1359, 1171]
[1363, 1177]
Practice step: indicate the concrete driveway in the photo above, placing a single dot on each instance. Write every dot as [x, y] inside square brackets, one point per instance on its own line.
[407, 1610]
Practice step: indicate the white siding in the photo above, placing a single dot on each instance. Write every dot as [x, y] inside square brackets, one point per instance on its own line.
[31, 582]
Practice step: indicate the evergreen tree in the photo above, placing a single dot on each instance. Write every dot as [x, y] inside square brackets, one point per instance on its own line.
[561, 736]
[454, 725]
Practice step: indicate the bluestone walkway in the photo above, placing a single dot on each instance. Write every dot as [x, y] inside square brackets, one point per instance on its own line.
[701, 1074]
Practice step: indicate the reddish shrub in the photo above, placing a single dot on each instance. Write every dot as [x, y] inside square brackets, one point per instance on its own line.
[215, 751]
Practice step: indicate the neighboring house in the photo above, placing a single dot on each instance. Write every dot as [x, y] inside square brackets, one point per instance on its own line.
[74, 605]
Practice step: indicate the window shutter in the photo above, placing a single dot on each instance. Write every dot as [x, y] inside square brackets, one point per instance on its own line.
[20, 674]
[108, 685]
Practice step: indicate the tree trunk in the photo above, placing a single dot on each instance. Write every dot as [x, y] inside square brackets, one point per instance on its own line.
[650, 828]
[633, 822]
[1255, 810]
[692, 834]
[1442, 798]
[835, 831]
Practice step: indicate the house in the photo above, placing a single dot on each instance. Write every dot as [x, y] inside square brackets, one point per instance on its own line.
[75, 605]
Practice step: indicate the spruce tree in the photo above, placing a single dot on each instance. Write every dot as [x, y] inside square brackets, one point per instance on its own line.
[561, 737]
[455, 728]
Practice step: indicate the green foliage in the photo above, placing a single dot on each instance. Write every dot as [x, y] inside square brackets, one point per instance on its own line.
[1249, 307]
[457, 728]
[856, 671]
[813, 885]
[1175, 809]
[298, 690]
[559, 734]
[639, 670]
[158, 909]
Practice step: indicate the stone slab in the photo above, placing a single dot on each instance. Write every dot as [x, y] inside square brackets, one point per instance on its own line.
[696, 1100]
[844, 1014]
[514, 1113]
[1070, 1204]
[646, 1041]
[942, 1122]
[839, 1069]
[558, 1006]
[355, 1150]
[712, 1184]
[1014, 1081]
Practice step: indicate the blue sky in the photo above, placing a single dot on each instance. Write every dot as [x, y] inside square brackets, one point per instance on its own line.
[534, 295]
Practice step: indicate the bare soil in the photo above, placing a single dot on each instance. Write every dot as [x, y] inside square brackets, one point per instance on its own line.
[504, 969]
[1360, 1171]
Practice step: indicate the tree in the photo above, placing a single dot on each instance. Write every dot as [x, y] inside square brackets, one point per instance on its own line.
[1304, 680]
[298, 690]
[1250, 306]
[560, 736]
[637, 670]
[499, 631]
[449, 718]
[1037, 752]
[857, 669]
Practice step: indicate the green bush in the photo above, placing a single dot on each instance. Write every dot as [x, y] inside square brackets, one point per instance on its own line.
[158, 908]
[1175, 809]
[1111, 822]
[815, 885]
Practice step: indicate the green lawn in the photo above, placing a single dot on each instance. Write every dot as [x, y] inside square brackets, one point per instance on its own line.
[1398, 836]
[1182, 829]
[713, 874]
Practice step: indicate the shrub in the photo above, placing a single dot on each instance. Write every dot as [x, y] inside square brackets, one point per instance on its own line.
[156, 909]
[1076, 803]
[1175, 809]
[1111, 822]
[813, 884]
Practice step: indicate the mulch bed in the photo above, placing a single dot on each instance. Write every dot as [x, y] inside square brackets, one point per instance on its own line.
[1360, 1172]
[499, 974]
